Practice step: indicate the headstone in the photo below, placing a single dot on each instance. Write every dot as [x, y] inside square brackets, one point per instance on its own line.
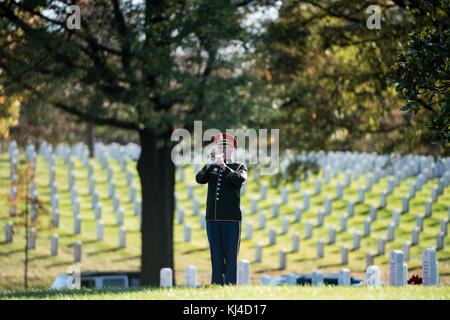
[317, 279]
[306, 200]
[9, 232]
[373, 213]
[203, 221]
[331, 235]
[444, 223]
[396, 268]
[263, 190]
[309, 229]
[369, 259]
[381, 245]
[429, 267]
[320, 246]
[295, 241]
[187, 232]
[191, 276]
[122, 237]
[440, 241]
[284, 195]
[77, 224]
[55, 218]
[383, 196]
[344, 277]
[419, 221]
[165, 278]
[350, 208]
[77, 251]
[272, 236]
[391, 232]
[98, 211]
[396, 217]
[415, 236]
[339, 190]
[405, 274]
[317, 186]
[258, 252]
[190, 191]
[137, 207]
[367, 222]
[282, 259]
[428, 208]
[405, 204]
[328, 206]
[54, 245]
[343, 223]
[344, 254]
[296, 186]
[356, 239]
[180, 216]
[196, 206]
[254, 205]
[275, 209]
[298, 213]
[373, 276]
[361, 191]
[243, 272]
[320, 217]
[262, 220]
[285, 225]
[119, 216]
[406, 247]
[100, 228]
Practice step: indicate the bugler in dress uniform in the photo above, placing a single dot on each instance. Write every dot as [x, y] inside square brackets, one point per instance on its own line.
[223, 214]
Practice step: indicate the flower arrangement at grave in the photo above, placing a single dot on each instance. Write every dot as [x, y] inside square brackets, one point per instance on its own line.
[415, 279]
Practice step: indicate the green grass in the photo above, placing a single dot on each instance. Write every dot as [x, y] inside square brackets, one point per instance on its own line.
[107, 255]
[242, 293]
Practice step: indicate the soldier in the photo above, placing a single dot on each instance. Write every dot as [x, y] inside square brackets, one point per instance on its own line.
[223, 214]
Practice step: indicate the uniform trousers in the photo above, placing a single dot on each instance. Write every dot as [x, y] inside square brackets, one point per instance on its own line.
[224, 239]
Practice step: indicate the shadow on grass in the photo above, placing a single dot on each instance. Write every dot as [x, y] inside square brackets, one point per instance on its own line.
[103, 251]
[126, 258]
[4, 254]
[51, 293]
[195, 250]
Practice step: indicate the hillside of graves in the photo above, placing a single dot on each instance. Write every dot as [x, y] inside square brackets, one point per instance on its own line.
[85, 212]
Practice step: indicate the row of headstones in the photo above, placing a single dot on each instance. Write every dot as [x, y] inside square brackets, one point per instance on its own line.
[54, 239]
[398, 273]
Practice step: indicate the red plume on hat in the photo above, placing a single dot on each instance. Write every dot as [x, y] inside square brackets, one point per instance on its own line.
[225, 139]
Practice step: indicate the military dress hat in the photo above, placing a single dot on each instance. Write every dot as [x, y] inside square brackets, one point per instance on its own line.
[225, 139]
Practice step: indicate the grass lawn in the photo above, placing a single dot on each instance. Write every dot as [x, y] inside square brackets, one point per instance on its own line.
[257, 292]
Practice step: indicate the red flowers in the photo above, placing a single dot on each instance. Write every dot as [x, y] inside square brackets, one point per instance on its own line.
[415, 279]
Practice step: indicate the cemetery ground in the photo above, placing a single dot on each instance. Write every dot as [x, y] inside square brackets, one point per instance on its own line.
[107, 255]
[244, 292]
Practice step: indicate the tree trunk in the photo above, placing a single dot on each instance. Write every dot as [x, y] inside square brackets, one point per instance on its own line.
[90, 138]
[157, 174]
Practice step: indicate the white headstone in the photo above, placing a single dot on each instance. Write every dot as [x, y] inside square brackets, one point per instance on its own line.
[295, 241]
[320, 246]
[391, 232]
[285, 225]
[100, 228]
[356, 239]
[444, 223]
[406, 247]
[440, 241]
[320, 217]
[122, 237]
[187, 232]
[331, 235]
[77, 224]
[9, 232]
[344, 254]
[298, 213]
[367, 222]
[191, 276]
[317, 279]
[165, 278]
[381, 245]
[429, 270]
[309, 229]
[415, 236]
[258, 252]
[282, 255]
[373, 276]
[243, 272]
[343, 222]
[272, 236]
[77, 251]
[419, 221]
[396, 268]
[344, 277]
[262, 220]
[54, 245]
[428, 208]
[373, 212]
